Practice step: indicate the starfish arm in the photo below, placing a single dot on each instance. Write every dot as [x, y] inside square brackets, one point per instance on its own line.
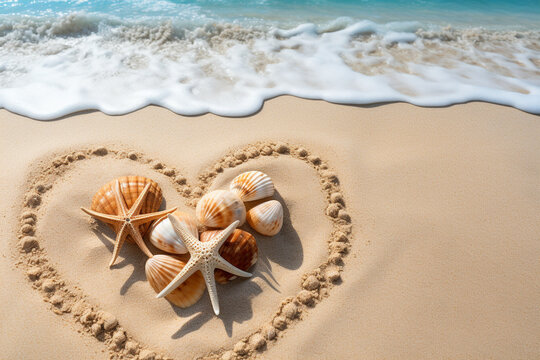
[144, 218]
[209, 279]
[224, 235]
[137, 205]
[120, 201]
[189, 240]
[136, 235]
[109, 219]
[182, 276]
[227, 266]
[120, 238]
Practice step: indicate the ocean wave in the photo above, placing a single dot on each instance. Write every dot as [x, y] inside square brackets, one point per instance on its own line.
[52, 67]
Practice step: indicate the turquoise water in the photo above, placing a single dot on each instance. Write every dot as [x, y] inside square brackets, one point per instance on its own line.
[521, 13]
[228, 56]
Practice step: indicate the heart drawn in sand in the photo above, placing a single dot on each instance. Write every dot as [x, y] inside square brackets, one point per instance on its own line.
[69, 300]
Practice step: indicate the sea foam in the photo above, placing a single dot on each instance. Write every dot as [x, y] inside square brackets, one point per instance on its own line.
[53, 67]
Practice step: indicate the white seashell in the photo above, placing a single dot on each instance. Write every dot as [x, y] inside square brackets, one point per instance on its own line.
[252, 185]
[266, 218]
[220, 208]
[163, 236]
[162, 269]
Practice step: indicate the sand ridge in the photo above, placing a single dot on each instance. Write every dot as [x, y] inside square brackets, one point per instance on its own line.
[67, 299]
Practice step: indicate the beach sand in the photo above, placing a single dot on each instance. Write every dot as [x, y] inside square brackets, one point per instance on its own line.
[442, 260]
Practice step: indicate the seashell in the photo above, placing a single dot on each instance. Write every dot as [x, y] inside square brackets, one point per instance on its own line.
[220, 208]
[131, 186]
[163, 236]
[252, 185]
[161, 270]
[240, 249]
[266, 218]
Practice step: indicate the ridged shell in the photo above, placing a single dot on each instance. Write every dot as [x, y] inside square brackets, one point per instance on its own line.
[220, 208]
[131, 187]
[252, 185]
[163, 236]
[161, 270]
[266, 218]
[240, 249]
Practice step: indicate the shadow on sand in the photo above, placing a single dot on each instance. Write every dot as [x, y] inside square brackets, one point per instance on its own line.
[235, 297]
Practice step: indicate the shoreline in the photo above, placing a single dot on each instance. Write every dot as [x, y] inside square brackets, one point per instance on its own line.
[80, 62]
[261, 108]
[443, 256]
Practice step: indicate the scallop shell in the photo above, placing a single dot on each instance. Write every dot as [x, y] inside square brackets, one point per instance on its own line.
[220, 208]
[240, 249]
[266, 218]
[252, 185]
[131, 187]
[163, 236]
[161, 270]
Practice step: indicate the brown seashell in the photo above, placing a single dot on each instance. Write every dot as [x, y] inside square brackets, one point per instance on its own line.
[161, 270]
[220, 208]
[240, 249]
[130, 186]
[252, 185]
[266, 218]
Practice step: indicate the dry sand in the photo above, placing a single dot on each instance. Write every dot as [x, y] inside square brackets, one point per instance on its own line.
[443, 258]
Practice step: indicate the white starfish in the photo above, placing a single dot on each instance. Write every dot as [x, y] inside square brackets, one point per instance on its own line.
[204, 258]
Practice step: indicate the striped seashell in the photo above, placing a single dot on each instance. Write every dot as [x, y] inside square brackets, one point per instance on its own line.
[131, 187]
[161, 270]
[240, 249]
[163, 236]
[266, 218]
[252, 185]
[220, 208]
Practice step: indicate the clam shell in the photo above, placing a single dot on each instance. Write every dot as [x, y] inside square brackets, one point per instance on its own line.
[131, 187]
[266, 218]
[161, 270]
[220, 208]
[163, 236]
[240, 249]
[252, 185]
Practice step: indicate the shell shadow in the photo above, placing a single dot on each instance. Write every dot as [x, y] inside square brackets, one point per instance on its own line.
[235, 305]
[285, 248]
[235, 297]
[129, 254]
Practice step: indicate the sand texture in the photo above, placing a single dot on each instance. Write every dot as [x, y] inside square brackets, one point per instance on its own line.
[408, 233]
